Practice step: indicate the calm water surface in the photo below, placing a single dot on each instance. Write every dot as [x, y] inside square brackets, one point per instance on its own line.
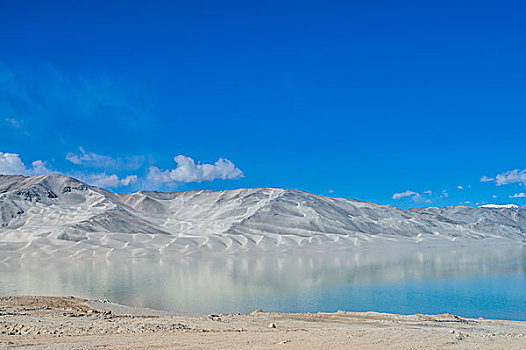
[471, 283]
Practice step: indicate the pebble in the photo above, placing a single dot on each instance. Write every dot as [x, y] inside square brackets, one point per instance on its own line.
[460, 336]
[272, 325]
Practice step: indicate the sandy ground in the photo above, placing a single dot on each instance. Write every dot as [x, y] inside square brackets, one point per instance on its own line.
[73, 323]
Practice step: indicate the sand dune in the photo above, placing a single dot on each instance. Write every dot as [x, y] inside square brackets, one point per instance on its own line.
[58, 216]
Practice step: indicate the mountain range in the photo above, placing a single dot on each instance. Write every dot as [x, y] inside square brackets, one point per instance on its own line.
[56, 215]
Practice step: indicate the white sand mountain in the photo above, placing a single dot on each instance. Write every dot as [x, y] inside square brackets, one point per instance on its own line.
[55, 215]
[498, 206]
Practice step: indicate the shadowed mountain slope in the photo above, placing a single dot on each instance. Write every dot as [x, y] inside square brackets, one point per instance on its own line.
[55, 214]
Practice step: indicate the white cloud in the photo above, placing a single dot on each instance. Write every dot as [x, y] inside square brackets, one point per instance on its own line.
[331, 191]
[407, 193]
[459, 187]
[95, 160]
[444, 194]
[486, 179]
[15, 123]
[519, 195]
[510, 177]
[429, 192]
[102, 180]
[39, 167]
[188, 171]
[108, 181]
[494, 196]
[89, 158]
[129, 180]
[11, 164]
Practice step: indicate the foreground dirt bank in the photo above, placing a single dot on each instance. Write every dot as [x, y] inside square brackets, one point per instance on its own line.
[73, 323]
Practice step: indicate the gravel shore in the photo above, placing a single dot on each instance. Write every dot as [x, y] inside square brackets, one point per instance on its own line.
[32, 322]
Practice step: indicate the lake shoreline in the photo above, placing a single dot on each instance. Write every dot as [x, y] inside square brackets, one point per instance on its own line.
[70, 323]
[468, 282]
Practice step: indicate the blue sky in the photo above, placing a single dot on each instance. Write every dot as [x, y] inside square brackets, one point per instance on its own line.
[397, 103]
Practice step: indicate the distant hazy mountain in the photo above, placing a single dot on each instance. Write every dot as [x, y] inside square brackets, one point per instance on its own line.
[55, 215]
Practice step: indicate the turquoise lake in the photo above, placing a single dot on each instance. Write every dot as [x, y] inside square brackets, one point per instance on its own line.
[488, 283]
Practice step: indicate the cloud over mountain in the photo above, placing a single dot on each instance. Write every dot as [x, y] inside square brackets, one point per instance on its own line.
[11, 164]
[188, 171]
[109, 181]
[101, 161]
[407, 193]
[89, 158]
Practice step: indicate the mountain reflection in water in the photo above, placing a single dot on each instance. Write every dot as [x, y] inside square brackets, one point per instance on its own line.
[483, 282]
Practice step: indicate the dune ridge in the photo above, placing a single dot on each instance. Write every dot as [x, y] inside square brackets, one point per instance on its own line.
[56, 215]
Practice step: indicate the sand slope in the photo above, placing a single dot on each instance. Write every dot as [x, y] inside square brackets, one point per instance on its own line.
[58, 216]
